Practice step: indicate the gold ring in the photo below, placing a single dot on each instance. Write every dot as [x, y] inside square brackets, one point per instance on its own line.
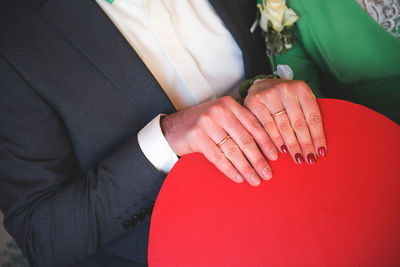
[223, 141]
[278, 113]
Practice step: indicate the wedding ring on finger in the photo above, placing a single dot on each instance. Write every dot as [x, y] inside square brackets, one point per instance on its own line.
[278, 113]
[226, 138]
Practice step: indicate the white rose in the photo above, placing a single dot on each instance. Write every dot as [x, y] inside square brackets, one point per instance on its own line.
[277, 14]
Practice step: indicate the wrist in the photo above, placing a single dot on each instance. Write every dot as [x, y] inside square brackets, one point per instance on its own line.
[168, 127]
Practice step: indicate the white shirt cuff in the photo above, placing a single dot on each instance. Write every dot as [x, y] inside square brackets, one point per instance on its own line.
[155, 147]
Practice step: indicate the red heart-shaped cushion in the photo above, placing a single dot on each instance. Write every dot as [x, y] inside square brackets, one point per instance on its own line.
[342, 211]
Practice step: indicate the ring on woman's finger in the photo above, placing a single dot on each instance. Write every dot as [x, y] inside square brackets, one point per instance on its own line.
[278, 113]
[226, 138]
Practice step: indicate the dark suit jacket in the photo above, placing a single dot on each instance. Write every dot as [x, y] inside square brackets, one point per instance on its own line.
[73, 95]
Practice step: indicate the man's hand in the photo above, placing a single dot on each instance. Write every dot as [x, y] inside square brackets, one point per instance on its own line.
[290, 115]
[280, 114]
[201, 128]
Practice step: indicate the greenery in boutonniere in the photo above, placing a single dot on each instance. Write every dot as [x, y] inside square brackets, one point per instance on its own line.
[276, 21]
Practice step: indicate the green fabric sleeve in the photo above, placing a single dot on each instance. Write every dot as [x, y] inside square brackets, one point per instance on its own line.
[302, 66]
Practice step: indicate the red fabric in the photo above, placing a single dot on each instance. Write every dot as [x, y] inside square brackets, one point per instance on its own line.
[342, 211]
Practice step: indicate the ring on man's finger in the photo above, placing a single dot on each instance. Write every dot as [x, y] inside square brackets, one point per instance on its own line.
[278, 113]
[226, 138]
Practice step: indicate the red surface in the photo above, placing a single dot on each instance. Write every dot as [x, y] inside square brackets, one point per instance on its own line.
[342, 211]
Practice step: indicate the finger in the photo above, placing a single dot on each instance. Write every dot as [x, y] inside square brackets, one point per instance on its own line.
[247, 145]
[299, 124]
[314, 120]
[233, 153]
[256, 129]
[282, 121]
[264, 116]
[236, 157]
[209, 149]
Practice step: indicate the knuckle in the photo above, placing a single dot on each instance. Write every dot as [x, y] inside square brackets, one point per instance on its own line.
[319, 140]
[300, 124]
[283, 86]
[262, 94]
[308, 146]
[260, 163]
[249, 100]
[278, 140]
[293, 147]
[284, 126]
[252, 90]
[267, 145]
[255, 124]
[286, 89]
[266, 142]
[217, 109]
[248, 171]
[269, 126]
[301, 85]
[204, 120]
[231, 152]
[304, 89]
[246, 140]
[218, 158]
[195, 133]
[267, 93]
[227, 100]
[314, 119]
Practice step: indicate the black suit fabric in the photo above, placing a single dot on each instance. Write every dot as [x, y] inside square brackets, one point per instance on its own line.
[73, 95]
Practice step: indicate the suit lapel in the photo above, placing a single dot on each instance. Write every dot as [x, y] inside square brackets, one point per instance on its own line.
[89, 30]
[238, 17]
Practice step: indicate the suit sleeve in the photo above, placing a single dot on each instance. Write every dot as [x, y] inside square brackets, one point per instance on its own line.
[58, 215]
[302, 65]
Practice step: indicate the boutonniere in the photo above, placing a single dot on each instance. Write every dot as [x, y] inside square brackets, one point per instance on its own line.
[276, 21]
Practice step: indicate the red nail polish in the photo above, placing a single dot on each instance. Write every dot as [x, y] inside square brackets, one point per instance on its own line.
[321, 151]
[311, 158]
[284, 149]
[299, 158]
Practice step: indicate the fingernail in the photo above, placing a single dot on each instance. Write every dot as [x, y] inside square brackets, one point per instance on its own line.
[311, 158]
[299, 158]
[273, 154]
[254, 180]
[322, 151]
[284, 149]
[267, 173]
[239, 178]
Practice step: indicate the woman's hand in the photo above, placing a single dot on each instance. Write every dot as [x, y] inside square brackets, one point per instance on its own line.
[204, 128]
[290, 115]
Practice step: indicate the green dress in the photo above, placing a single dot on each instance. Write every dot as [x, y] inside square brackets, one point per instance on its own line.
[342, 52]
